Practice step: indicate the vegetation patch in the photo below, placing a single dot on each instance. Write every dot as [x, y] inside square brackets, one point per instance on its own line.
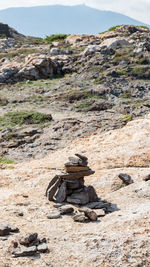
[141, 72]
[6, 161]
[55, 37]
[125, 118]
[12, 119]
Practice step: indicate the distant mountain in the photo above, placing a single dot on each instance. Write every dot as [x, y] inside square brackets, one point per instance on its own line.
[45, 20]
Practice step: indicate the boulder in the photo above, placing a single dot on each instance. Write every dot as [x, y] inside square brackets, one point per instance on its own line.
[91, 49]
[114, 43]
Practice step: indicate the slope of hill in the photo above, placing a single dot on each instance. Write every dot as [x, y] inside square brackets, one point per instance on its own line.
[45, 20]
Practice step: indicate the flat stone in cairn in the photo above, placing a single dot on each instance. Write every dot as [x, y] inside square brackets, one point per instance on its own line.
[62, 193]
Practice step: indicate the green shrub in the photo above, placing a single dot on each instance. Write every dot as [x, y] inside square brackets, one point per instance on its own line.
[122, 72]
[142, 61]
[2, 36]
[12, 119]
[55, 37]
[141, 72]
[125, 118]
[6, 161]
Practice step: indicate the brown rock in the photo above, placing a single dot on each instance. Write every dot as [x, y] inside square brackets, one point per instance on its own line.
[76, 174]
[146, 178]
[28, 240]
[75, 183]
[73, 168]
[79, 218]
[89, 213]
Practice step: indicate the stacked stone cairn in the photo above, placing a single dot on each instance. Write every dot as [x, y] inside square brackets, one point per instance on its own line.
[69, 186]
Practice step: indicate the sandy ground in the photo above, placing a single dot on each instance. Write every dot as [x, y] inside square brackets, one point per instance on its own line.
[121, 238]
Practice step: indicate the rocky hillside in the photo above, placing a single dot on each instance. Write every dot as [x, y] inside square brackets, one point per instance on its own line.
[63, 88]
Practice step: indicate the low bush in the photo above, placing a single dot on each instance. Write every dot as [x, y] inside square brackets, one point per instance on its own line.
[12, 119]
[55, 37]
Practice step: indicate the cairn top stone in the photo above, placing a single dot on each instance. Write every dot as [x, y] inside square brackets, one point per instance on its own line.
[82, 157]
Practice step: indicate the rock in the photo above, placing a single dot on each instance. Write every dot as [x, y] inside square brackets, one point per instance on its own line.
[61, 194]
[36, 66]
[42, 248]
[90, 214]
[29, 240]
[76, 161]
[82, 157]
[75, 183]
[76, 174]
[23, 252]
[98, 205]
[81, 198]
[72, 168]
[54, 215]
[114, 43]
[66, 209]
[53, 190]
[91, 49]
[6, 228]
[58, 205]
[100, 213]
[146, 178]
[79, 218]
[125, 178]
[92, 194]
[52, 182]
[144, 190]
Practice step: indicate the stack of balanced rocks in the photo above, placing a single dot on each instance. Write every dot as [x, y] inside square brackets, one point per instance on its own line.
[69, 186]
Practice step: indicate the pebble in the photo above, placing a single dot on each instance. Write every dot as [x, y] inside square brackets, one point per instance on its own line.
[54, 215]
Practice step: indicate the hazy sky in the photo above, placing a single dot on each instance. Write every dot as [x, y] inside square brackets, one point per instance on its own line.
[137, 9]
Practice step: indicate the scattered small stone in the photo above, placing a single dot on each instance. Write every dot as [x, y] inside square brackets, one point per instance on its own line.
[66, 209]
[100, 213]
[54, 215]
[23, 252]
[29, 240]
[42, 248]
[146, 178]
[57, 205]
[90, 214]
[79, 218]
[126, 178]
[6, 229]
